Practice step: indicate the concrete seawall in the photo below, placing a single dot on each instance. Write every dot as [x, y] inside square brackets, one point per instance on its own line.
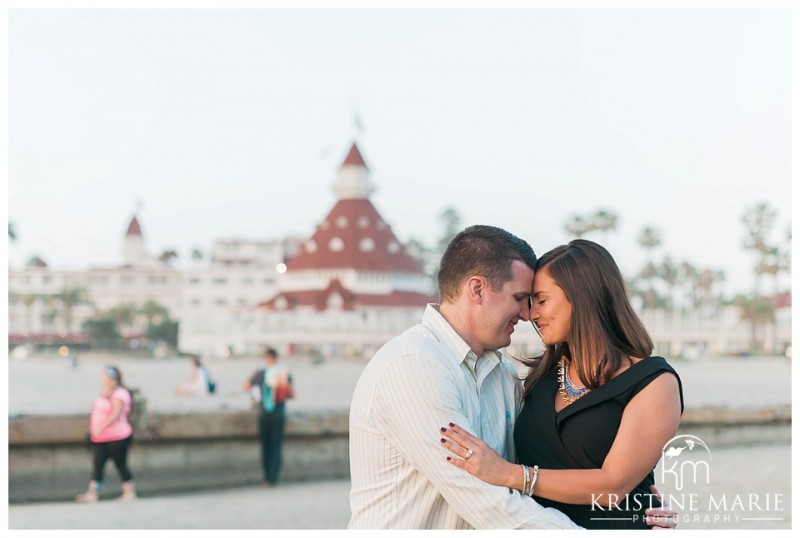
[49, 459]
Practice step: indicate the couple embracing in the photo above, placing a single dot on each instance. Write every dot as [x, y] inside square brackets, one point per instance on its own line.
[444, 434]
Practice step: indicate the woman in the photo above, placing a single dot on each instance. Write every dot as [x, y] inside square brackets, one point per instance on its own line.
[111, 435]
[598, 409]
[198, 384]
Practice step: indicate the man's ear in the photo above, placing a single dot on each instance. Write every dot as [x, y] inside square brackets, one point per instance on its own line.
[476, 289]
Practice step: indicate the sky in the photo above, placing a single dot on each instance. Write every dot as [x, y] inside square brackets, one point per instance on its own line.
[223, 124]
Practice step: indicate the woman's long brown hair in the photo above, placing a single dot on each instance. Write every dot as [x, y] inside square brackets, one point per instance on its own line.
[604, 331]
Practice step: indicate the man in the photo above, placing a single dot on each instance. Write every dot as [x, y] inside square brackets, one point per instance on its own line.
[275, 387]
[447, 369]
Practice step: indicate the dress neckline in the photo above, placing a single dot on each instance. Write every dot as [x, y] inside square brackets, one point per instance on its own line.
[591, 396]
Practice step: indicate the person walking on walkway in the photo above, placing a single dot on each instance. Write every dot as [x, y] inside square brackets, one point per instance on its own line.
[111, 434]
[275, 387]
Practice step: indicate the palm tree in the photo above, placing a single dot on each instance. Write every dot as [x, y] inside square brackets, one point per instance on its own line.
[650, 239]
[424, 256]
[167, 256]
[577, 226]
[156, 315]
[69, 299]
[103, 332]
[605, 221]
[123, 315]
[197, 254]
[49, 314]
[36, 261]
[29, 299]
[709, 279]
[647, 274]
[667, 271]
[154, 312]
[451, 221]
[770, 264]
[47, 311]
[758, 221]
[12, 232]
[689, 276]
[786, 253]
[757, 312]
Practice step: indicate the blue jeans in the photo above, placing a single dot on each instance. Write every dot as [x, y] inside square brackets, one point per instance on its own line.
[270, 427]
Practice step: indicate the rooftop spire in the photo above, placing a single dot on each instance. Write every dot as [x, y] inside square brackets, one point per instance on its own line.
[354, 158]
[352, 181]
[134, 228]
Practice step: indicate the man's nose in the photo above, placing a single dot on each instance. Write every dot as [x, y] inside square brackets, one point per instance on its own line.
[525, 314]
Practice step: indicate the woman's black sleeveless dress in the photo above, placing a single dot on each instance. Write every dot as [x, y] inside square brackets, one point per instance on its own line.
[580, 436]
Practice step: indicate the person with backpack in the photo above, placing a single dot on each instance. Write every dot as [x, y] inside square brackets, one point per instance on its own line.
[110, 433]
[275, 386]
[199, 384]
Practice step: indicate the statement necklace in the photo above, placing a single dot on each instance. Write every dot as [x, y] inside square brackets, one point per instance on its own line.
[567, 390]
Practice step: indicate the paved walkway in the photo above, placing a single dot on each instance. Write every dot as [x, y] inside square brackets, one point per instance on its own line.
[318, 505]
[759, 470]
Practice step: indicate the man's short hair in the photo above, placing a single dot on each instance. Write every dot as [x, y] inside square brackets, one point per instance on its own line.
[481, 250]
[271, 353]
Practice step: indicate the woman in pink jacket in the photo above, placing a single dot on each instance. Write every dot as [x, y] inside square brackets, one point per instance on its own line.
[111, 435]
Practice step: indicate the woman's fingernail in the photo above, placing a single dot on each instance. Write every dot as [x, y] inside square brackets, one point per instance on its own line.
[448, 458]
[443, 429]
[452, 425]
[444, 440]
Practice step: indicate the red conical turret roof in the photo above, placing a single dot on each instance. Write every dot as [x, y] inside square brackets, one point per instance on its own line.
[354, 236]
[134, 228]
[354, 158]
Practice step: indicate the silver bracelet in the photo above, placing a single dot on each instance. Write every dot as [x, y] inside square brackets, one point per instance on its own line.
[526, 478]
[535, 477]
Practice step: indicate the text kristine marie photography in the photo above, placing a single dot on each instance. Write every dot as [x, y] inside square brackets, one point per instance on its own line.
[685, 463]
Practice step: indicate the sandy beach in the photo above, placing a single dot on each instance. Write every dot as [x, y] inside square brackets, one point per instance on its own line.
[48, 384]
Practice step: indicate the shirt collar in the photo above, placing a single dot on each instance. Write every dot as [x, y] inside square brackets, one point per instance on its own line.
[445, 333]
